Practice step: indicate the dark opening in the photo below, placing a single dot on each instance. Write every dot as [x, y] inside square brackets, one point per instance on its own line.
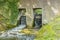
[22, 19]
[37, 17]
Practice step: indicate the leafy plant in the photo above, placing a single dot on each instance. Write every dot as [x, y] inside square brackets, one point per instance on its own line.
[8, 12]
[50, 31]
[38, 11]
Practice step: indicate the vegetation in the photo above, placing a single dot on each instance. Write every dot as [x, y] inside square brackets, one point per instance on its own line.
[38, 11]
[50, 31]
[8, 13]
[8, 19]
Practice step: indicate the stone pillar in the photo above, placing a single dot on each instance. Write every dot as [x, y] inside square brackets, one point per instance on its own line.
[29, 17]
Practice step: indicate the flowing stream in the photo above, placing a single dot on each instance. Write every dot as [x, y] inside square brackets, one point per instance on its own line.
[13, 34]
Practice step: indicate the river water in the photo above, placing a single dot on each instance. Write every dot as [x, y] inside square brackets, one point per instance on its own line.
[13, 34]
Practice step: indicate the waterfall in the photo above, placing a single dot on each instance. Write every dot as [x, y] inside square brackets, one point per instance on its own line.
[38, 21]
[13, 31]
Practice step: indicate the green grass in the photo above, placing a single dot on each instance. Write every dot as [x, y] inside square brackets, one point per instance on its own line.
[50, 31]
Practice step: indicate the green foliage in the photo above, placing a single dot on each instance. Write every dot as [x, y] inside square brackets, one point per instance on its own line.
[8, 12]
[50, 31]
[38, 11]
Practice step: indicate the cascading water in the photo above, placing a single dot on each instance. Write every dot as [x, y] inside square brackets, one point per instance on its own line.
[14, 33]
[38, 21]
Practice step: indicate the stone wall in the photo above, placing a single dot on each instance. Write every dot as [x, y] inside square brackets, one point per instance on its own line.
[51, 9]
[29, 5]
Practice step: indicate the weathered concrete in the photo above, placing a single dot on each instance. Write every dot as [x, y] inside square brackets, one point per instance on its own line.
[51, 8]
[29, 5]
